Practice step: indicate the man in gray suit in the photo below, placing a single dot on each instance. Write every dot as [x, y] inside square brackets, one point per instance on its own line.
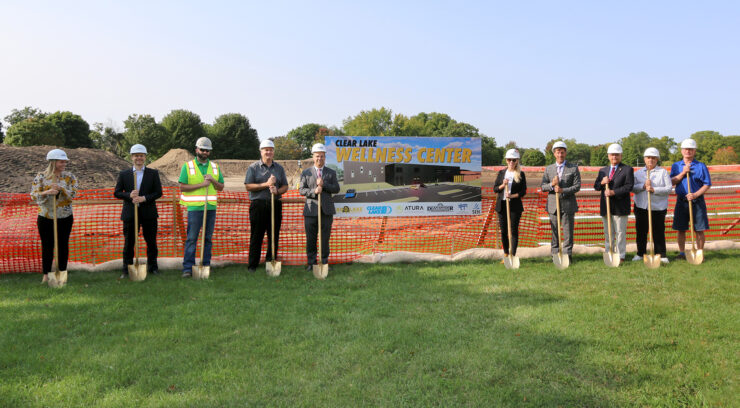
[564, 178]
[316, 180]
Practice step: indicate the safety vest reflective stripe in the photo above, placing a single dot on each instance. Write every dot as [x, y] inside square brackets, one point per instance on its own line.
[200, 198]
[191, 167]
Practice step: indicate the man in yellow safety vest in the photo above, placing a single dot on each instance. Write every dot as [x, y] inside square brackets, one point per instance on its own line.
[199, 179]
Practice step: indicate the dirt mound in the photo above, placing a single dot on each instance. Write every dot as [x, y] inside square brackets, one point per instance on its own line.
[94, 168]
[170, 164]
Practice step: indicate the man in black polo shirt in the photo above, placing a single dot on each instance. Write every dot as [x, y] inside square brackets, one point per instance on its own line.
[263, 178]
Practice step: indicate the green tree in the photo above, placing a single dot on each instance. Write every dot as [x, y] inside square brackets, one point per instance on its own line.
[633, 146]
[305, 136]
[491, 154]
[707, 142]
[19, 115]
[733, 141]
[599, 156]
[184, 127]
[533, 157]
[725, 155]
[287, 149]
[33, 132]
[145, 130]
[375, 122]
[233, 138]
[76, 130]
[665, 145]
[107, 138]
[579, 153]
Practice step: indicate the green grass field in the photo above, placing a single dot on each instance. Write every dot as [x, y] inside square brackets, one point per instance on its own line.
[464, 334]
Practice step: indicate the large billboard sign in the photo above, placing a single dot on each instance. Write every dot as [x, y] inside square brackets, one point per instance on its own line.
[405, 176]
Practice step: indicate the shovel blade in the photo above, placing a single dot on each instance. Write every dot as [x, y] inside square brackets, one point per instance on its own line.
[137, 273]
[561, 261]
[321, 271]
[274, 268]
[201, 272]
[511, 262]
[695, 256]
[651, 261]
[57, 279]
[611, 259]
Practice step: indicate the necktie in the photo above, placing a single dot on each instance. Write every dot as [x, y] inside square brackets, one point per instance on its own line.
[611, 173]
[560, 171]
[318, 171]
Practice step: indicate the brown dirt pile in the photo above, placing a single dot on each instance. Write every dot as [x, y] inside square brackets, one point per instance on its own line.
[94, 168]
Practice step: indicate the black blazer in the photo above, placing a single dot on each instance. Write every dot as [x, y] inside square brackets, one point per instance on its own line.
[516, 188]
[151, 189]
[621, 183]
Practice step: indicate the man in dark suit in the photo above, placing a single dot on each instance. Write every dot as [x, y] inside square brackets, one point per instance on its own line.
[562, 177]
[139, 185]
[315, 181]
[621, 179]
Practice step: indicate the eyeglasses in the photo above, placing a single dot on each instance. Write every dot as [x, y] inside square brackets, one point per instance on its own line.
[204, 150]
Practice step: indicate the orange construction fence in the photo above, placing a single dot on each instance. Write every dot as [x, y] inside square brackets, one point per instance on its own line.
[97, 233]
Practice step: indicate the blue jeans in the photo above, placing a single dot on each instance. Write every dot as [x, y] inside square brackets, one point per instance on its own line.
[195, 221]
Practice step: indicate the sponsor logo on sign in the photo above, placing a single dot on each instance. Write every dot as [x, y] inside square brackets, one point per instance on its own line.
[414, 208]
[379, 209]
[345, 209]
[462, 206]
[440, 208]
[476, 206]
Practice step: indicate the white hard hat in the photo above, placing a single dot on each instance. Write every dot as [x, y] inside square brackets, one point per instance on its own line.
[137, 148]
[614, 149]
[318, 147]
[558, 144]
[512, 154]
[651, 152]
[688, 144]
[56, 154]
[204, 143]
[267, 143]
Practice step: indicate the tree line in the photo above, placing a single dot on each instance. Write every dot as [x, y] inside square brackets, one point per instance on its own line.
[235, 138]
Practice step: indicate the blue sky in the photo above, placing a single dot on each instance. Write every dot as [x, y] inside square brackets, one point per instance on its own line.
[526, 71]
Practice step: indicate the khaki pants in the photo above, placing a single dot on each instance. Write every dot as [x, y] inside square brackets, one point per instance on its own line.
[619, 234]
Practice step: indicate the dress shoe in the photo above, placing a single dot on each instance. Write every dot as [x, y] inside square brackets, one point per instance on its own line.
[153, 272]
[123, 276]
[309, 268]
[251, 270]
[187, 274]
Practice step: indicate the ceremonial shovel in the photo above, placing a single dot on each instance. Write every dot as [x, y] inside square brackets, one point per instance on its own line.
[137, 271]
[561, 262]
[201, 271]
[693, 256]
[511, 261]
[320, 271]
[57, 278]
[273, 267]
[652, 261]
[610, 257]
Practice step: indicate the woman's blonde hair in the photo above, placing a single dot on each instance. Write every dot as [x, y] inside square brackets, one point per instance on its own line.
[517, 171]
[49, 172]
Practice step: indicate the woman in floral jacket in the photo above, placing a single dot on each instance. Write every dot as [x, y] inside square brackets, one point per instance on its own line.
[55, 181]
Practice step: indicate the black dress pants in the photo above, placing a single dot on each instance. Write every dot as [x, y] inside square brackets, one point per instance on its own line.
[641, 233]
[259, 223]
[149, 229]
[46, 232]
[312, 232]
[515, 217]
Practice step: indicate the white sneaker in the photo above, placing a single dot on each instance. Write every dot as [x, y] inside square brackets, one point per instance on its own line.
[637, 258]
[664, 260]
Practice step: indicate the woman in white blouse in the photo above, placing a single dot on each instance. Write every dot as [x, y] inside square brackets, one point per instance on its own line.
[55, 181]
[659, 185]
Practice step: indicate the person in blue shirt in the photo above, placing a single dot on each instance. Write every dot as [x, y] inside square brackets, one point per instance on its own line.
[691, 171]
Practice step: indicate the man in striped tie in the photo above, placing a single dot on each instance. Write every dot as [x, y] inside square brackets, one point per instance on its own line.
[620, 178]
